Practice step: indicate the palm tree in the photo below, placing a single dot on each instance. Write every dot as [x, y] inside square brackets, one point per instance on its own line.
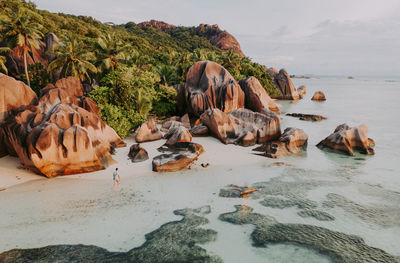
[167, 74]
[72, 59]
[109, 52]
[21, 33]
[3, 59]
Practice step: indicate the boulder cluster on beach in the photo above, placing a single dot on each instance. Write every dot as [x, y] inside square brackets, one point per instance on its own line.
[60, 133]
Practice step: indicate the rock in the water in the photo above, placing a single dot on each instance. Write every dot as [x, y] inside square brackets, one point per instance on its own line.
[177, 134]
[293, 140]
[302, 90]
[284, 84]
[199, 130]
[347, 140]
[14, 94]
[307, 117]
[242, 126]
[209, 85]
[147, 132]
[256, 97]
[53, 138]
[319, 95]
[179, 156]
[137, 153]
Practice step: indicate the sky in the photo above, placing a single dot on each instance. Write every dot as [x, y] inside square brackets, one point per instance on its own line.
[323, 37]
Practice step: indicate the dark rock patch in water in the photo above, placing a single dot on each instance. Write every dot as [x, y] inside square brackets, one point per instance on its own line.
[319, 215]
[276, 202]
[339, 246]
[175, 241]
[383, 215]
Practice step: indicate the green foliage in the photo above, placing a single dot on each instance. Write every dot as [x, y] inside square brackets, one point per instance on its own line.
[164, 103]
[72, 59]
[135, 66]
[116, 118]
[38, 76]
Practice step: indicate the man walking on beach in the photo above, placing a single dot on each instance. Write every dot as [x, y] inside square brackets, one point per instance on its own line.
[116, 177]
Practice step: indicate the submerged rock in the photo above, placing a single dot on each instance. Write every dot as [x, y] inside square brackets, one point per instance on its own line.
[277, 202]
[242, 126]
[237, 191]
[177, 134]
[284, 84]
[176, 241]
[256, 97]
[319, 215]
[293, 140]
[307, 117]
[347, 140]
[137, 153]
[148, 131]
[205, 92]
[338, 246]
[179, 156]
[319, 95]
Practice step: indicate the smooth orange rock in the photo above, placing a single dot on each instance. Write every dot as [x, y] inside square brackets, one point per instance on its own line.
[177, 134]
[14, 94]
[54, 138]
[293, 140]
[205, 92]
[319, 95]
[242, 126]
[256, 97]
[302, 90]
[180, 155]
[284, 84]
[147, 132]
[347, 140]
[67, 91]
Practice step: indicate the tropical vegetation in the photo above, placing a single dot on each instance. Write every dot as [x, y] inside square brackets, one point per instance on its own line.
[132, 69]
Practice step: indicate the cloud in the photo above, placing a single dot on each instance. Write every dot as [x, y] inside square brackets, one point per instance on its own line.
[310, 36]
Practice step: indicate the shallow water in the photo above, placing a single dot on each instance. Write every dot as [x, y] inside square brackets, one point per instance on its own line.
[362, 193]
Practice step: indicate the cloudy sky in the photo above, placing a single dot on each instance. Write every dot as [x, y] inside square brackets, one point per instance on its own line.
[341, 37]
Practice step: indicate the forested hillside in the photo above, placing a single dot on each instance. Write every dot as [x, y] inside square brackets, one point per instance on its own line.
[131, 68]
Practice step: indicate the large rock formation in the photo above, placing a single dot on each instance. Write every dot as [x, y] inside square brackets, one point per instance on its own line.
[66, 91]
[217, 37]
[347, 140]
[209, 85]
[256, 97]
[159, 25]
[242, 126]
[148, 131]
[302, 90]
[319, 96]
[53, 138]
[178, 156]
[293, 140]
[221, 39]
[177, 134]
[13, 94]
[137, 153]
[284, 84]
[15, 59]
